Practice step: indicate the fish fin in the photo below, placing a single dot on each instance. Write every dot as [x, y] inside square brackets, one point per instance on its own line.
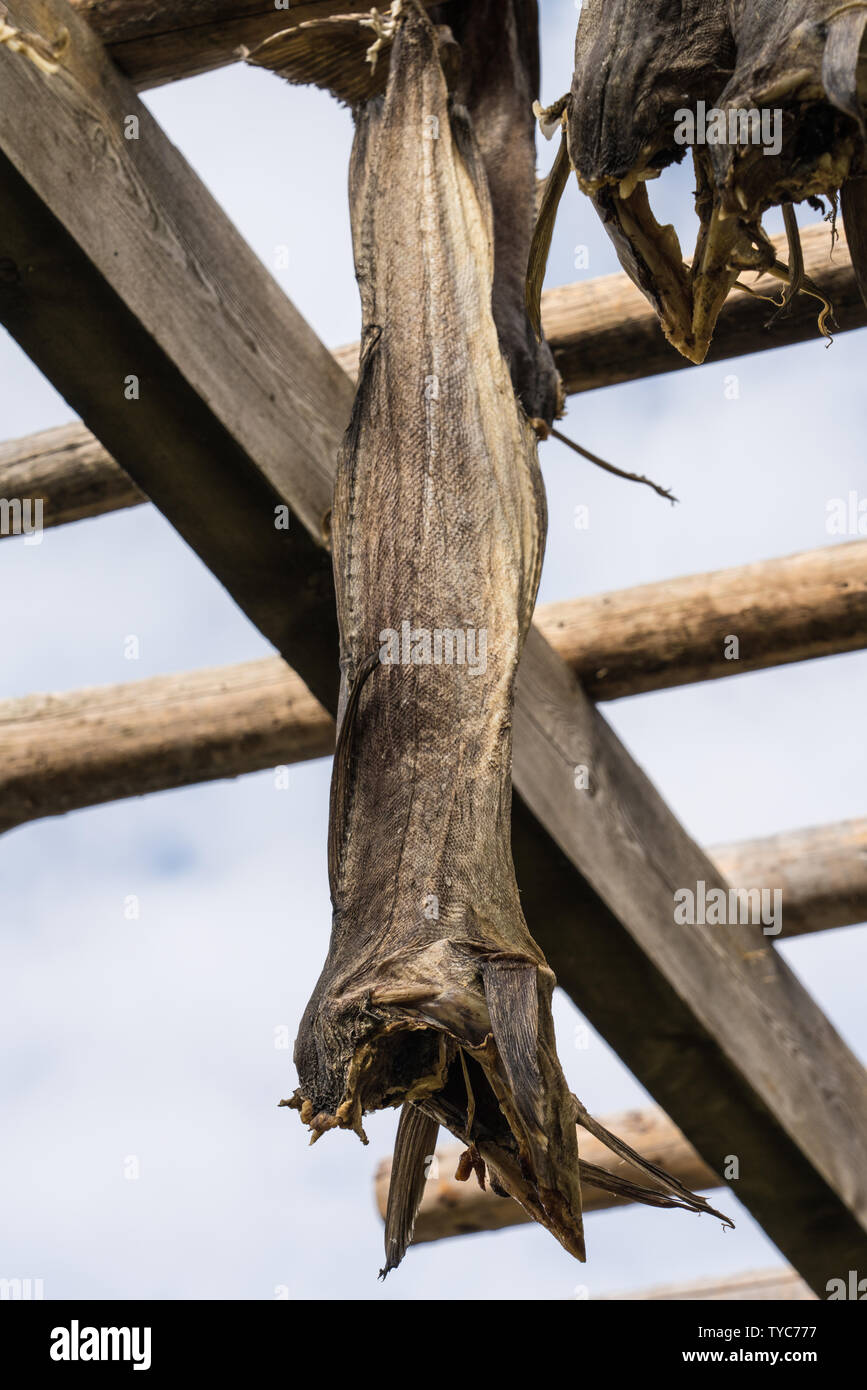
[512, 997]
[619, 1186]
[413, 1147]
[671, 1185]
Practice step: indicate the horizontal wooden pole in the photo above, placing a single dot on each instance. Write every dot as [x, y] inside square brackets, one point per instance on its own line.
[602, 332]
[678, 631]
[158, 41]
[60, 753]
[627, 642]
[821, 873]
[774, 1285]
[452, 1208]
[69, 472]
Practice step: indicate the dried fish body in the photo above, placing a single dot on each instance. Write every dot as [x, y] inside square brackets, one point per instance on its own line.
[434, 995]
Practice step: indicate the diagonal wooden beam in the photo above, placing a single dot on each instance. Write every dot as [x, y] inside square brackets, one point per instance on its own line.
[711, 1018]
[241, 408]
[158, 41]
[145, 288]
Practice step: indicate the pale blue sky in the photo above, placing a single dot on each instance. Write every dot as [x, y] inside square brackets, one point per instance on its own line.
[155, 1037]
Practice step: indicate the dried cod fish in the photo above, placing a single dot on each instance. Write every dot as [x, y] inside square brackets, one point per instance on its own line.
[434, 995]
[638, 63]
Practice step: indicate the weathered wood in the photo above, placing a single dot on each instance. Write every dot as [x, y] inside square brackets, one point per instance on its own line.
[62, 752]
[676, 631]
[776, 1285]
[158, 41]
[784, 1093]
[453, 1208]
[235, 390]
[720, 1031]
[69, 471]
[822, 873]
[601, 332]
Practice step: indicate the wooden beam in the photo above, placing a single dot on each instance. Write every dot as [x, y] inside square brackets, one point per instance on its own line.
[144, 286]
[777, 1285]
[69, 471]
[242, 408]
[821, 872]
[158, 41]
[59, 753]
[624, 642]
[678, 631]
[710, 1019]
[601, 332]
[452, 1208]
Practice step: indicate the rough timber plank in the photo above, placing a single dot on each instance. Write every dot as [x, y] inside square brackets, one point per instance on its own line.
[712, 1020]
[158, 41]
[145, 276]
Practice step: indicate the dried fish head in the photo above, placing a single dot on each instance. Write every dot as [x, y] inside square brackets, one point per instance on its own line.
[767, 96]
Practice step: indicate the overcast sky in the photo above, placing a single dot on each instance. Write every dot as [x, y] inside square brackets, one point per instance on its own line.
[148, 1046]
